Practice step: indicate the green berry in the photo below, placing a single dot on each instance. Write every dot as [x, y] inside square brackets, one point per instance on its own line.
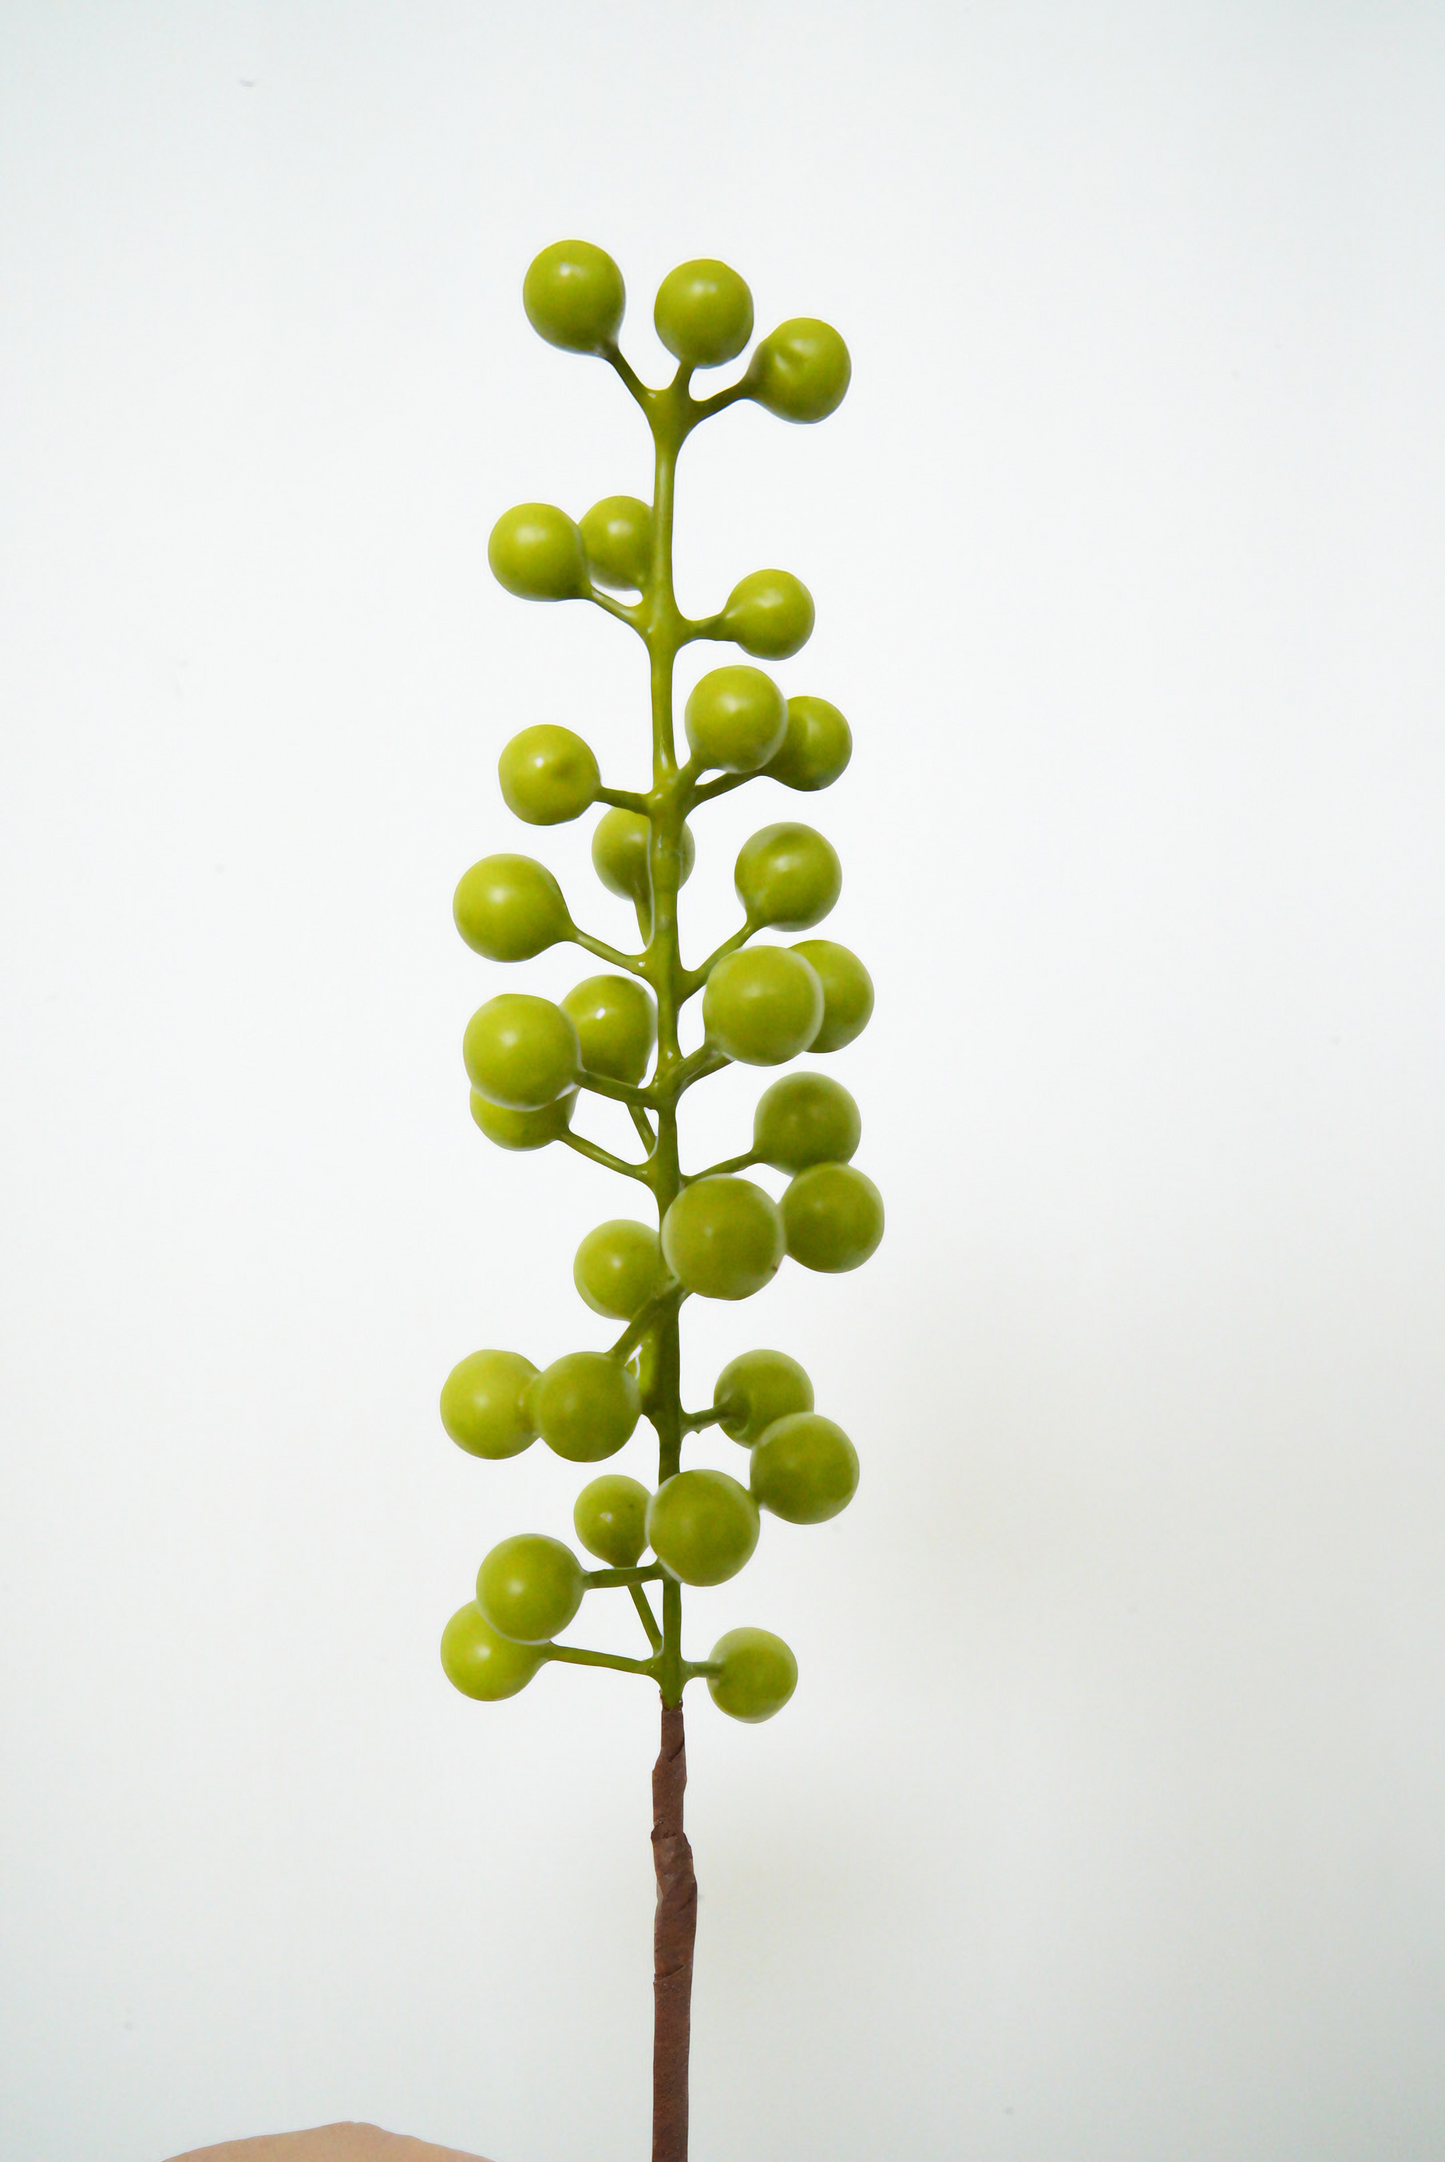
[758, 1676]
[585, 1405]
[548, 775]
[524, 1129]
[762, 1006]
[621, 855]
[723, 1238]
[616, 1024]
[787, 876]
[801, 370]
[756, 1388]
[536, 552]
[574, 296]
[617, 542]
[805, 1469]
[619, 1268]
[510, 908]
[610, 1517]
[521, 1052]
[702, 1526]
[770, 614]
[482, 1404]
[847, 992]
[704, 313]
[833, 1217]
[529, 1587]
[735, 719]
[816, 748]
[482, 1664]
[805, 1119]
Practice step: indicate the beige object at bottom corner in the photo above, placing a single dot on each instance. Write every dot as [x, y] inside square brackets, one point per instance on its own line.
[328, 2143]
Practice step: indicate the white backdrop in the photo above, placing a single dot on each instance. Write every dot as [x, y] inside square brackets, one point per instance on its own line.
[1105, 1824]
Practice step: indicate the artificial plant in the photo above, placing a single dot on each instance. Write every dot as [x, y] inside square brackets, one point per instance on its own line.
[718, 1235]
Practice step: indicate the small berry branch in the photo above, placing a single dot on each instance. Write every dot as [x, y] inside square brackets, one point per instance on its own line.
[718, 1235]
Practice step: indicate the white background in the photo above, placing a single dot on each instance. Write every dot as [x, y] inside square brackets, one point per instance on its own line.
[1105, 1825]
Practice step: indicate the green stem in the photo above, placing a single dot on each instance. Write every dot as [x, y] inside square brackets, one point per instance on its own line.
[605, 1157]
[717, 1171]
[632, 962]
[646, 1616]
[570, 1655]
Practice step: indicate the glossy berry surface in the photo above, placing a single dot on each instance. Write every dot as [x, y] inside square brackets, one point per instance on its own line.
[482, 1664]
[735, 719]
[847, 992]
[529, 1587]
[584, 1405]
[833, 1217]
[617, 542]
[762, 1006]
[816, 748]
[703, 313]
[521, 1052]
[510, 908]
[616, 1024]
[619, 1267]
[574, 296]
[523, 1129]
[535, 551]
[801, 371]
[787, 876]
[769, 614]
[610, 1518]
[621, 855]
[804, 1469]
[805, 1119]
[756, 1388]
[723, 1238]
[702, 1526]
[483, 1407]
[548, 775]
[759, 1674]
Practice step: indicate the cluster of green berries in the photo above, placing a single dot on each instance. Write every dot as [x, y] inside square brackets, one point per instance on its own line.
[720, 1235]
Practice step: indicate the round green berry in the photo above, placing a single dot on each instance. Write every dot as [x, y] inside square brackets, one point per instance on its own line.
[619, 1268]
[847, 992]
[762, 1006]
[801, 370]
[770, 614]
[703, 313]
[756, 1388]
[482, 1664]
[524, 1129]
[548, 775]
[510, 908]
[787, 876]
[723, 1238]
[585, 1405]
[833, 1217]
[529, 1587]
[616, 1024]
[536, 552]
[617, 542]
[735, 719]
[816, 748]
[702, 1526]
[805, 1469]
[758, 1675]
[574, 296]
[610, 1517]
[521, 1052]
[621, 855]
[805, 1119]
[482, 1404]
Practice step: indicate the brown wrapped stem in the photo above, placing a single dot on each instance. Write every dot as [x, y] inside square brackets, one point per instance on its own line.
[674, 1931]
